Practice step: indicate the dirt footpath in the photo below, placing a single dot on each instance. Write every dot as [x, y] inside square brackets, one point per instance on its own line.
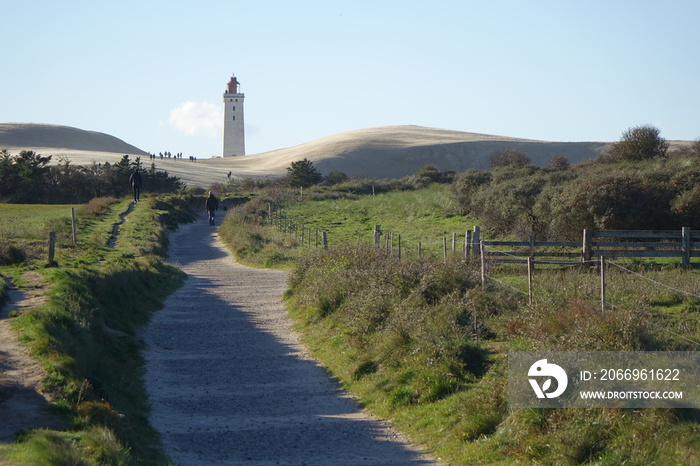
[230, 383]
[23, 404]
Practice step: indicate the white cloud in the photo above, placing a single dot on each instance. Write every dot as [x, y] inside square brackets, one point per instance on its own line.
[197, 117]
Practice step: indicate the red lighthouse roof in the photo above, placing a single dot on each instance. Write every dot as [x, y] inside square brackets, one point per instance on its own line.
[232, 86]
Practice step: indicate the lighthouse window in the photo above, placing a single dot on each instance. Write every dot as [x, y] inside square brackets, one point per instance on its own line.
[234, 117]
[234, 108]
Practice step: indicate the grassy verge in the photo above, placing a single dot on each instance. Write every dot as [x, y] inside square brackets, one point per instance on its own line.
[86, 336]
[427, 215]
[419, 341]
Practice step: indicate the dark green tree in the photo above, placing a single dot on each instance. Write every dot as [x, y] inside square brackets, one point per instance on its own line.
[22, 176]
[639, 143]
[303, 174]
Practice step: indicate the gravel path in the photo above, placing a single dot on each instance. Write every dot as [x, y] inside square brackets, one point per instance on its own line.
[230, 383]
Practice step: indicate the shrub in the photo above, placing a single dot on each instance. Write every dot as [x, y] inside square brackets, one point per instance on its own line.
[614, 202]
[11, 254]
[559, 163]
[465, 187]
[335, 177]
[639, 143]
[99, 206]
[509, 158]
[424, 176]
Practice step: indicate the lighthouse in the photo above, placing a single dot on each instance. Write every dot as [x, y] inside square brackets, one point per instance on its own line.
[234, 135]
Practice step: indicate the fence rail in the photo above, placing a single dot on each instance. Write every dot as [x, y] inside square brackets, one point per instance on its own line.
[596, 248]
[683, 243]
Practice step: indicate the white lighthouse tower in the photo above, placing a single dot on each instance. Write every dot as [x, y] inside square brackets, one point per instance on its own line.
[234, 135]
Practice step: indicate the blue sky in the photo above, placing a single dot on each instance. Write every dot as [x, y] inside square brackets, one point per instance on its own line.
[153, 72]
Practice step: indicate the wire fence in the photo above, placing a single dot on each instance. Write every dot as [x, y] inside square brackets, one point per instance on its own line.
[491, 254]
[604, 301]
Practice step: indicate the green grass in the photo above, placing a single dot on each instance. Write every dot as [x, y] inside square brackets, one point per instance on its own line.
[24, 231]
[426, 215]
[86, 336]
[95, 446]
[31, 221]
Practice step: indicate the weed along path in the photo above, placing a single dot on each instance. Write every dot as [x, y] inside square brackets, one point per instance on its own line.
[230, 383]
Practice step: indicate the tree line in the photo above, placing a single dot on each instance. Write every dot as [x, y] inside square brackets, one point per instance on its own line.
[27, 178]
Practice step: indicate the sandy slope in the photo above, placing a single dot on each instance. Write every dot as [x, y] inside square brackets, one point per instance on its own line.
[382, 152]
[34, 135]
[230, 383]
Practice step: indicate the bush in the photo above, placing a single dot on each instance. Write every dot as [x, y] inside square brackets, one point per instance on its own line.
[465, 187]
[335, 177]
[11, 254]
[98, 206]
[615, 202]
[639, 143]
[509, 158]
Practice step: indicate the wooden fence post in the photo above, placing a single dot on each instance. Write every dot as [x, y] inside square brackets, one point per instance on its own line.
[74, 228]
[399, 247]
[324, 237]
[586, 250]
[602, 283]
[419, 249]
[454, 242]
[476, 239]
[483, 265]
[377, 234]
[444, 249]
[532, 249]
[467, 243]
[686, 246]
[52, 245]
[529, 280]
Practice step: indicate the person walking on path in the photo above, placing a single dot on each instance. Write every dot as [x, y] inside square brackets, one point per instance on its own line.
[211, 205]
[136, 183]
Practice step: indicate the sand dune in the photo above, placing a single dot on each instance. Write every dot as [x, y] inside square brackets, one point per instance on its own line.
[56, 137]
[382, 152]
[396, 151]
